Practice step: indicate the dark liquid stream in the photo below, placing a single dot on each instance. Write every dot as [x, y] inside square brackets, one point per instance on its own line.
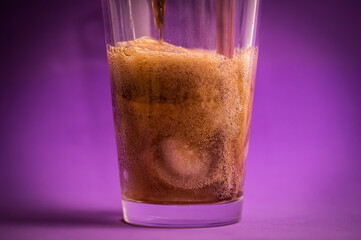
[159, 16]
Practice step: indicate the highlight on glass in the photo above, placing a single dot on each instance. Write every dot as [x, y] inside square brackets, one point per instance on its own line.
[182, 79]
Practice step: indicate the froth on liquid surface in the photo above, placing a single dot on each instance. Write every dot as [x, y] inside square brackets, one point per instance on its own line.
[182, 121]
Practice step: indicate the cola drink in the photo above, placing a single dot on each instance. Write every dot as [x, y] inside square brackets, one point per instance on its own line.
[182, 121]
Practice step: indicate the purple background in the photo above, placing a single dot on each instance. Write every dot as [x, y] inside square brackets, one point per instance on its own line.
[58, 168]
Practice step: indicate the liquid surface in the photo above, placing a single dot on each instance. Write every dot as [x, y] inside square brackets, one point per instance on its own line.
[182, 121]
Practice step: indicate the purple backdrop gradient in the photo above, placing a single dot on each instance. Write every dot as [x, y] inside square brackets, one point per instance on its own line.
[58, 167]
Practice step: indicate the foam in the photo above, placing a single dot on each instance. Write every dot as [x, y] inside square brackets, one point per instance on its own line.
[181, 116]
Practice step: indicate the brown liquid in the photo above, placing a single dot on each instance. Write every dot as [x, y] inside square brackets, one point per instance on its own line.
[182, 121]
[159, 16]
[225, 27]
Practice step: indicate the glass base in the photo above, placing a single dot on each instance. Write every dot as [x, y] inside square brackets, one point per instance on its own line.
[200, 215]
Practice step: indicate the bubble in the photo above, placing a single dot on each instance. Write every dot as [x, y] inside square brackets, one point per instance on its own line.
[128, 51]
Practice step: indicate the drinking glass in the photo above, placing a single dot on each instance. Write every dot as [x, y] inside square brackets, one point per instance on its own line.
[182, 79]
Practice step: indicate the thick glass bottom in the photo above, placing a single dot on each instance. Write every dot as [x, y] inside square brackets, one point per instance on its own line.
[200, 215]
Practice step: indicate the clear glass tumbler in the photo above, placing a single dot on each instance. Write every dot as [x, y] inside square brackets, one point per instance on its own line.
[182, 78]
